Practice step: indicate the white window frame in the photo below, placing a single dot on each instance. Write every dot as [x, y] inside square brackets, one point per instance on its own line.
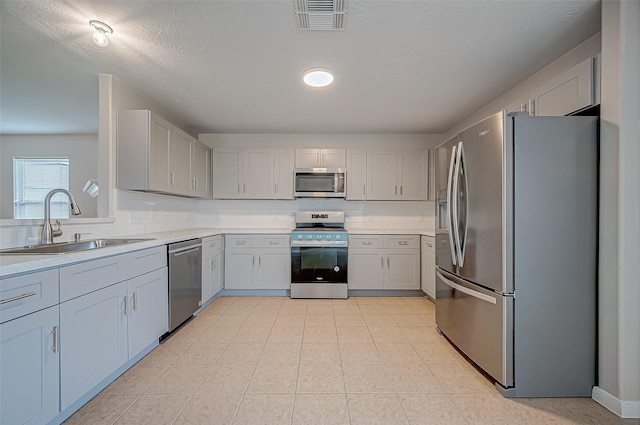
[30, 186]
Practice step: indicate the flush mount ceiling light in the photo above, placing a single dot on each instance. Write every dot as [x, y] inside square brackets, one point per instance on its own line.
[318, 77]
[100, 36]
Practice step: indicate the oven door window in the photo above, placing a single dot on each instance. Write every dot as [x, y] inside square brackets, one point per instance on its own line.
[318, 264]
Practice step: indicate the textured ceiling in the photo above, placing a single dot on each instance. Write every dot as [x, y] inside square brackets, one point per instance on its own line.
[236, 66]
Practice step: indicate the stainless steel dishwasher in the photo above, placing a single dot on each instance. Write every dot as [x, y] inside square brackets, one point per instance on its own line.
[185, 280]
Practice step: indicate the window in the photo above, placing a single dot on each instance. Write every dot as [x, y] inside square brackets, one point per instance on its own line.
[33, 178]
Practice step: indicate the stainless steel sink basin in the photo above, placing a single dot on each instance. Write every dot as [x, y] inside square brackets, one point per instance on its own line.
[68, 247]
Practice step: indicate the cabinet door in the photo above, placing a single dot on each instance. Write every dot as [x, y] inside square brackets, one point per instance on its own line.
[29, 378]
[382, 171]
[332, 158]
[428, 272]
[181, 162]
[258, 174]
[412, 176]
[274, 269]
[227, 173]
[403, 269]
[567, 93]
[200, 166]
[211, 273]
[356, 174]
[148, 310]
[365, 269]
[160, 154]
[217, 273]
[283, 172]
[93, 340]
[307, 158]
[240, 269]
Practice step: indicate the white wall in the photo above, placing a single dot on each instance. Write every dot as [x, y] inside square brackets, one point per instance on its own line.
[619, 292]
[81, 149]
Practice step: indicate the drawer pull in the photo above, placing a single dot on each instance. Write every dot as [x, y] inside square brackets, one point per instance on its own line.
[366, 243]
[403, 243]
[19, 297]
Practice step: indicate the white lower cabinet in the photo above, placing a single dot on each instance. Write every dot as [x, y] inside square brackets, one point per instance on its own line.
[257, 262]
[384, 262]
[211, 266]
[428, 250]
[30, 368]
[93, 340]
[148, 307]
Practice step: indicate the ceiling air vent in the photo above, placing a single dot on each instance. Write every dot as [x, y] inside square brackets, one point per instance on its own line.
[321, 15]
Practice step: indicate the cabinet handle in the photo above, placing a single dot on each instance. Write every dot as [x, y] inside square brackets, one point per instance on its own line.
[173, 178]
[366, 243]
[404, 243]
[400, 190]
[56, 339]
[244, 188]
[364, 190]
[196, 182]
[253, 260]
[126, 307]
[212, 264]
[381, 262]
[135, 300]
[259, 261]
[388, 265]
[19, 297]
[275, 188]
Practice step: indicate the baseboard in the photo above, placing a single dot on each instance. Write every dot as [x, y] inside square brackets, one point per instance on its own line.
[624, 409]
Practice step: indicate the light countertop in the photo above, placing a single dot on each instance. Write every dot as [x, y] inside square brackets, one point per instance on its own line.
[19, 264]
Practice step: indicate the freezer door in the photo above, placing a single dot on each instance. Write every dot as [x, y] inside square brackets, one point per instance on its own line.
[444, 168]
[479, 322]
[479, 203]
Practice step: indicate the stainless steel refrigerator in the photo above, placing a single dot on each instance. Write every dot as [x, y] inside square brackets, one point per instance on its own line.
[516, 251]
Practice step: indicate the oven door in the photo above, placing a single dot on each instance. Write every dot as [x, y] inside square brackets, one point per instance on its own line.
[319, 264]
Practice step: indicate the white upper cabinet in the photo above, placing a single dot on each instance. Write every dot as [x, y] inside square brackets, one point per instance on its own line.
[200, 166]
[397, 175]
[283, 174]
[258, 174]
[227, 173]
[252, 173]
[153, 155]
[180, 162]
[567, 93]
[356, 174]
[320, 158]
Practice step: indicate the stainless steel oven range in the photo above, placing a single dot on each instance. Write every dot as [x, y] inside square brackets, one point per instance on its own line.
[319, 255]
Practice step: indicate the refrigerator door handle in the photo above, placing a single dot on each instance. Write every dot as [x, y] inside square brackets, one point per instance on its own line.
[471, 292]
[456, 219]
[462, 242]
[450, 206]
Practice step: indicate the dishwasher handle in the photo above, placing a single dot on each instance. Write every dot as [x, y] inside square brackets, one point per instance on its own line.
[184, 249]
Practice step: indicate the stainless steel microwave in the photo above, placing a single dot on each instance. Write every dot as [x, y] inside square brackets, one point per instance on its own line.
[319, 183]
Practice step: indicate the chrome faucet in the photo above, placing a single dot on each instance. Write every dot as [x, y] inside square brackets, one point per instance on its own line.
[48, 233]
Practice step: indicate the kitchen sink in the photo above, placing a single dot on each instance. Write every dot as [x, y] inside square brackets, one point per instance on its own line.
[68, 247]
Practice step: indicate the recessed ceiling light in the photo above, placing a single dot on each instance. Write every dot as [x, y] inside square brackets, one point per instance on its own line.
[318, 77]
[100, 36]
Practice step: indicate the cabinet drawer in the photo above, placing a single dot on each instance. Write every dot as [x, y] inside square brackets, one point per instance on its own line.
[365, 241]
[144, 261]
[274, 241]
[428, 243]
[409, 242]
[25, 294]
[211, 242]
[80, 279]
[236, 241]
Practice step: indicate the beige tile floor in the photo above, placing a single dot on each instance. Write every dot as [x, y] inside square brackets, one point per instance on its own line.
[361, 361]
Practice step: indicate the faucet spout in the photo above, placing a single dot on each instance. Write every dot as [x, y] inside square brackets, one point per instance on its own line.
[47, 233]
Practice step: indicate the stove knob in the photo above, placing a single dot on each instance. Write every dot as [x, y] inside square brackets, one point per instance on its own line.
[328, 236]
[299, 236]
[309, 236]
[338, 236]
[319, 237]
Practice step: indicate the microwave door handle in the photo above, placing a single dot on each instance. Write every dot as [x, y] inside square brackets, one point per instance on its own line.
[450, 206]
